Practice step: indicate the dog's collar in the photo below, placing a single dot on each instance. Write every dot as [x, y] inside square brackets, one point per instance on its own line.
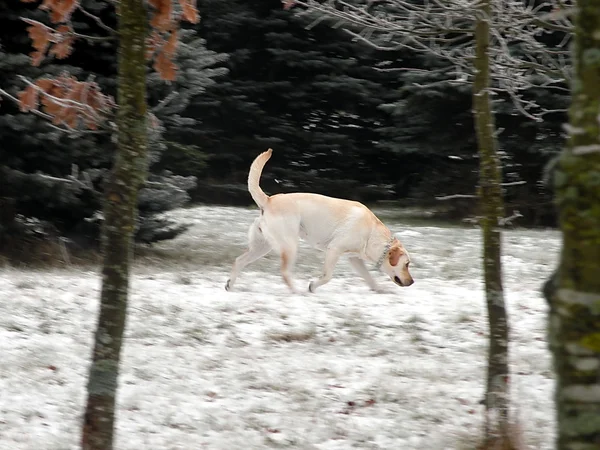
[384, 253]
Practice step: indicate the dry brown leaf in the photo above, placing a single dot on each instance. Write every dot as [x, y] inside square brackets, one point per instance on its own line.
[28, 99]
[40, 36]
[37, 57]
[170, 47]
[190, 11]
[165, 67]
[60, 10]
[63, 42]
[161, 19]
[153, 42]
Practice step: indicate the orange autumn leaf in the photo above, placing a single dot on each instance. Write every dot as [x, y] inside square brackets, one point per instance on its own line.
[165, 67]
[190, 12]
[60, 10]
[161, 19]
[36, 58]
[28, 99]
[153, 42]
[40, 36]
[45, 84]
[171, 46]
[63, 42]
[68, 101]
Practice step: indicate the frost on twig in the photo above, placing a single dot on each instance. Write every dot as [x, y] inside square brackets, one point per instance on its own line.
[519, 59]
[455, 196]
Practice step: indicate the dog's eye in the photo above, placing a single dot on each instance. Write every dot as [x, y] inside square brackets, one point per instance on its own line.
[408, 263]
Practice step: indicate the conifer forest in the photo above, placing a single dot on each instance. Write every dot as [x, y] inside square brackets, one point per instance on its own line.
[470, 128]
[346, 119]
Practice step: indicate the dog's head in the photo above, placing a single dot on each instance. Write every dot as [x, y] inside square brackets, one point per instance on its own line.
[396, 263]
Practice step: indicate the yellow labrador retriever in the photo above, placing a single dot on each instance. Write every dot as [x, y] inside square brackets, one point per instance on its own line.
[331, 224]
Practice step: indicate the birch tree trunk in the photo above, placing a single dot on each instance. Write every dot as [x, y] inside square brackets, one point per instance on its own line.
[574, 292]
[492, 209]
[120, 213]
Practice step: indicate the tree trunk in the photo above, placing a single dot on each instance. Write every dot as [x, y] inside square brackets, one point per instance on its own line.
[492, 209]
[574, 291]
[120, 213]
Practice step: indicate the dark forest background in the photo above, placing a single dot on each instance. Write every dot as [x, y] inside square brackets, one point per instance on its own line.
[344, 120]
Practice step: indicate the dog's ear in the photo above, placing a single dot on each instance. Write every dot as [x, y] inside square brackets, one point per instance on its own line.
[395, 254]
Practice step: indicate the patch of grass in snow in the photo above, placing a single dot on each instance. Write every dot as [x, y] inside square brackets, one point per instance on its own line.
[26, 283]
[292, 335]
[415, 328]
[198, 334]
[184, 279]
[15, 327]
[355, 326]
[464, 318]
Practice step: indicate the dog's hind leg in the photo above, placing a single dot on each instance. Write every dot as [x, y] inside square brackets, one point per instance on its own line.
[257, 248]
[359, 266]
[331, 258]
[288, 259]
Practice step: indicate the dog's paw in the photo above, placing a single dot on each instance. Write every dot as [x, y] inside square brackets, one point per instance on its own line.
[228, 285]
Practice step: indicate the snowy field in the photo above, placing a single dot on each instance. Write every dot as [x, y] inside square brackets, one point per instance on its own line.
[259, 368]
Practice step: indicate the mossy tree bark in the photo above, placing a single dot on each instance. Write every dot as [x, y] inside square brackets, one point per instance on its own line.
[492, 210]
[574, 291]
[120, 213]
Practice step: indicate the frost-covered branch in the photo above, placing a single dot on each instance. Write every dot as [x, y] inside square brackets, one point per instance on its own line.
[520, 59]
[453, 196]
[97, 20]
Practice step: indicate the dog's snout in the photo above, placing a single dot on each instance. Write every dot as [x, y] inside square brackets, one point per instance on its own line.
[399, 282]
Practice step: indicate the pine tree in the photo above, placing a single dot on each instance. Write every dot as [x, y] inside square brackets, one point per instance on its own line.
[304, 91]
[45, 156]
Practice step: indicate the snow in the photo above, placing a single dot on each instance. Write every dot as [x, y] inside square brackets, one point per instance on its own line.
[260, 368]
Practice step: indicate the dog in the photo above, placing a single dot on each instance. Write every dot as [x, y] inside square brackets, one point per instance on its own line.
[337, 226]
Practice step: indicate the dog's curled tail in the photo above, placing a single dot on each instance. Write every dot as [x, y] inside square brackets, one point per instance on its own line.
[256, 169]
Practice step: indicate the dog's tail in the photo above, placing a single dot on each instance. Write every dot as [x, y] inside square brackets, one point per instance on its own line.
[256, 169]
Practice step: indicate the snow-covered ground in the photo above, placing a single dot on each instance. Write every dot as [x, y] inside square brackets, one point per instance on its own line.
[259, 368]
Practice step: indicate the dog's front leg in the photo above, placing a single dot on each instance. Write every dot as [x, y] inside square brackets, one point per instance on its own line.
[359, 266]
[331, 258]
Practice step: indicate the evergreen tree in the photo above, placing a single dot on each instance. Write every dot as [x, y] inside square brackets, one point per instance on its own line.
[306, 92]
[431, 101]
[37, 159]
[35, 150]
